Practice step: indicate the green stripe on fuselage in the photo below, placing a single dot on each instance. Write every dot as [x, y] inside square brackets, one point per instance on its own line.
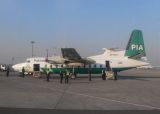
[84, 70]
[76, 70]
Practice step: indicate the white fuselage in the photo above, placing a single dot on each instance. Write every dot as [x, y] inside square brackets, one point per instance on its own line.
[29, 64]
[118, 60]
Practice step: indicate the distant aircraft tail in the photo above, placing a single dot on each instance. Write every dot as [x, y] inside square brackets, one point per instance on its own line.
[135, 48]
[70, 53]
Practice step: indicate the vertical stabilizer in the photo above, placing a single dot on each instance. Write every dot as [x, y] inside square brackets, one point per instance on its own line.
[135, 47]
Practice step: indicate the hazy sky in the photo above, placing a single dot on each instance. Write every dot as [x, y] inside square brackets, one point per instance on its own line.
[87, 25]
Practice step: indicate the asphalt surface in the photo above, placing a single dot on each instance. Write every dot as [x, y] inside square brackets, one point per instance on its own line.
[134, 90]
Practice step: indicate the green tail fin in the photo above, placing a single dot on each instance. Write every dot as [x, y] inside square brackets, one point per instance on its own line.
[135, 45]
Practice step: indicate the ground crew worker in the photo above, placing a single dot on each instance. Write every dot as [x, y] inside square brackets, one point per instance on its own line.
[23, 71]
[89, 72]
[115, 75]
[61, 76]
[48, 74]
[67, 73]
[75, 74]
[103, 75]
[7, 71]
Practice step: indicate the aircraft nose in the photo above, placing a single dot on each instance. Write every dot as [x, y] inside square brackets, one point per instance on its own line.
[14, 67]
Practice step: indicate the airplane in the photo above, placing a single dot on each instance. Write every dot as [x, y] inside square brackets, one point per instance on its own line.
[111, 60]
[31, 65]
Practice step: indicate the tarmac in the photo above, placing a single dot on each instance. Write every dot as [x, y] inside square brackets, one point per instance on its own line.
[136, 89]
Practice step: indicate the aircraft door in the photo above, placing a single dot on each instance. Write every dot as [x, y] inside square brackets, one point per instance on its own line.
[108, 68]
[36, 67]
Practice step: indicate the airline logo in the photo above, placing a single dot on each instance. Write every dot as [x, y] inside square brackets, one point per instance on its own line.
[136, 47]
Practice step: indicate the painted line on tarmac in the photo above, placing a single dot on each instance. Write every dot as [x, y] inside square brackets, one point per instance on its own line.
[112, 100]
[101, 98]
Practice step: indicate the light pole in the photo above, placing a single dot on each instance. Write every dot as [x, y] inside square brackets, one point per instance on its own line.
[12, 60]
[47, 53]
[32, 42]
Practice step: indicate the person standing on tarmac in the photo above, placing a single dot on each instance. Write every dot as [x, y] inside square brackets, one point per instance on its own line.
[7, 71]
[23, 71]
[115, 75]
[103, 75]
[89, 73]
[75, 75]
[48, 74]
[67, 76]
[61, 76]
